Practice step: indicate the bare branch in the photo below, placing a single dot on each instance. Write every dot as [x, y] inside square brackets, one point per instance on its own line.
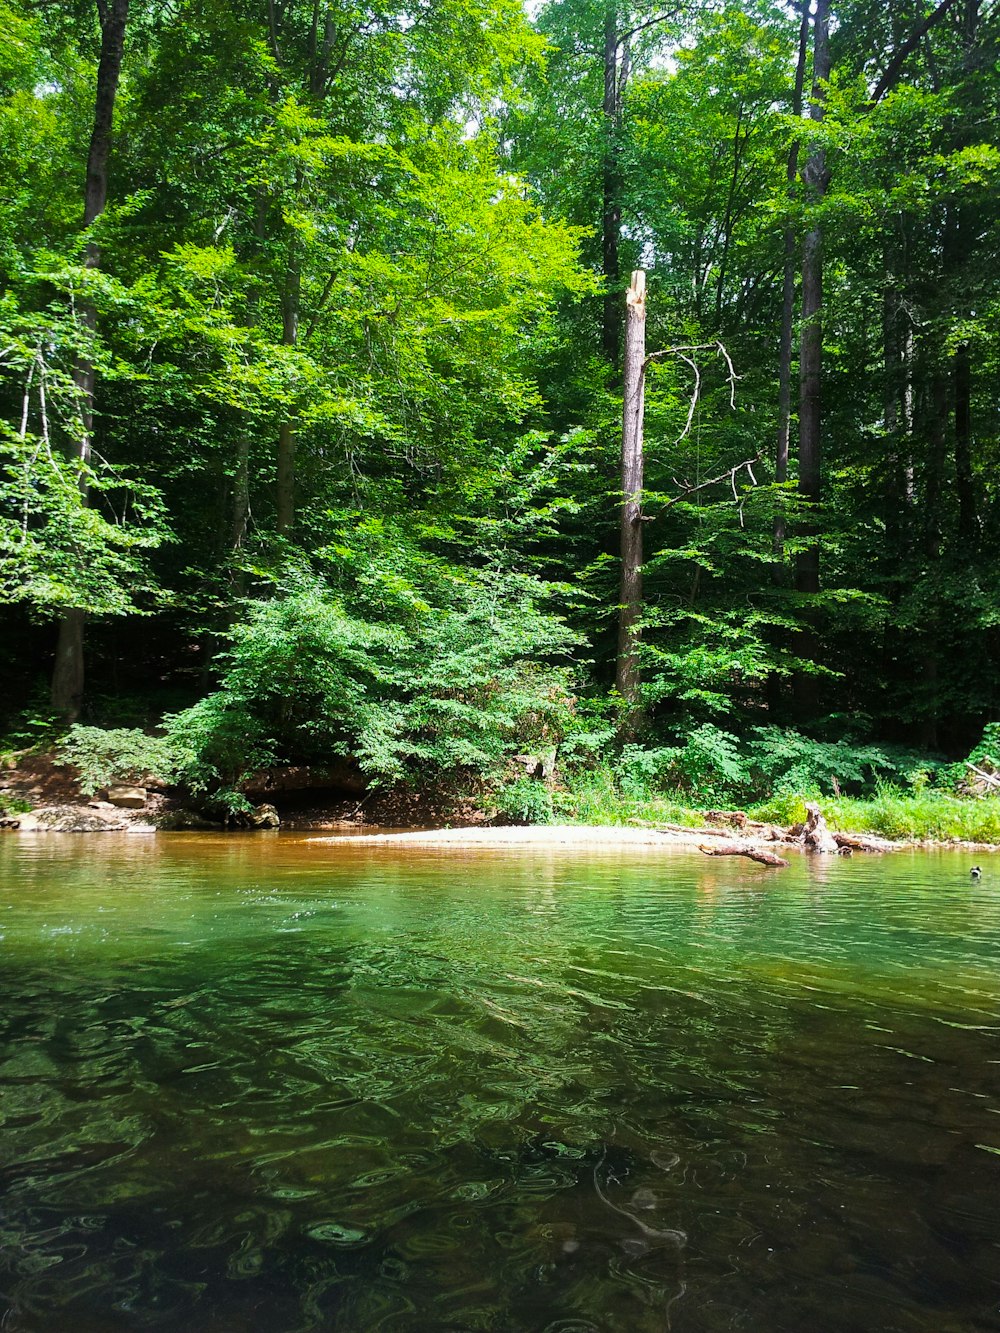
[320, 305]
[888, 79]
[650, 23]
[729, 475]
[733, 377]
[695, 395]
[680, 352]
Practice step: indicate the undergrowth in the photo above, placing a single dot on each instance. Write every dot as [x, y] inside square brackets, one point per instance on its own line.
[916, 815]
[596, 798]
[889, 813]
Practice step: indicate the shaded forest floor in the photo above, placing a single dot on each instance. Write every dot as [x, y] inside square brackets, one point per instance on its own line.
[34, 780]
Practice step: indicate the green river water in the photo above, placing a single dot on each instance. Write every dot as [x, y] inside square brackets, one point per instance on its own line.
[264, 1083]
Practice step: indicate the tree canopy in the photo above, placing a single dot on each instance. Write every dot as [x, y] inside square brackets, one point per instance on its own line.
[310, 397]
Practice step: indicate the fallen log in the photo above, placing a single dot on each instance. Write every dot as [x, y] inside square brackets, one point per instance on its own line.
[737, 818]
[743, 849]
[990, 779]
[861, 842]
[687, 829]
[701, 832]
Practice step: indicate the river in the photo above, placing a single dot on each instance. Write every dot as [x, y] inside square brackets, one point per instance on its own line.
[263, 1083]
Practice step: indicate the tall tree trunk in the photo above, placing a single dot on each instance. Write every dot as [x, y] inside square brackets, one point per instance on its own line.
[893, 409]
[68, 671]
[611, 215]
[815, 177]
[929, 648]
[241, 492]
[741, 139]
[240, 515]
[785, 343]
[788, 292]
[630, 599]
[286, 432]
[968, 523]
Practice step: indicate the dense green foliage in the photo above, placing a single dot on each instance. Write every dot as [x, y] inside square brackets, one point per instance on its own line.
[347, 486]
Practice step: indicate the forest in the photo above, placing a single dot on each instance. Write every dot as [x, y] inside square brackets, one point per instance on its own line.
[312, 343]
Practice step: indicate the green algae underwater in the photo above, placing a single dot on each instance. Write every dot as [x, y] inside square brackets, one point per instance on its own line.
[260, 1082]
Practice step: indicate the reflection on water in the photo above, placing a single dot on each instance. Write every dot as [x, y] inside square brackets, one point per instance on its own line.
[261, 1083]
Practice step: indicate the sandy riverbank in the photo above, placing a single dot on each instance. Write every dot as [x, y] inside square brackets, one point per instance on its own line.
[606, 837]
[533, 835]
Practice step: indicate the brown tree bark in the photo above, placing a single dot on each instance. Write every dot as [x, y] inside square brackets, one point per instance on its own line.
[68, 670]
[968, 522]
[753, 853]
[785, 343]
[630, 597]
[788, 293]
[285, 498]
[816, 178]
[611, 211]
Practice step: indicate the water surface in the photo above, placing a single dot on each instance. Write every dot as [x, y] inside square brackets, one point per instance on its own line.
[262, 1083]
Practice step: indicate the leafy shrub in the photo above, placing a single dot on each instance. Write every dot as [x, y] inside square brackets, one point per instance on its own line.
[595, 797]
[589, 733]
[784, 808]
[709, 767]
[33, 728]
[988, 749]
[105, 757]
[459, 686]
[715, 766]
[525, 801]
[784, 760]
[641, 772]
[215, 748]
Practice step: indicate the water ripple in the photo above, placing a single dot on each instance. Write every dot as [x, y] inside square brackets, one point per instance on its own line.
[253, 1084]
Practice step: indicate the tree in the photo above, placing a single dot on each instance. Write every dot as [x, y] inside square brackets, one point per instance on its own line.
[633, 413]
[68, 671]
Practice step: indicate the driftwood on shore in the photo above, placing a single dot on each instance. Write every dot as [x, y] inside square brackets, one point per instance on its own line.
[739, 835]
[863, 842]
[747, 849]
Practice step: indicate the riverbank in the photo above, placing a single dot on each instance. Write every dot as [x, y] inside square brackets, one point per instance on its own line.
[39, 794]
[711, 840]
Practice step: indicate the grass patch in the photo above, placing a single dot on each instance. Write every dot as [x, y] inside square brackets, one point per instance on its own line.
[910, 816]
[918, 815]
[891, 813]
[597, 799]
